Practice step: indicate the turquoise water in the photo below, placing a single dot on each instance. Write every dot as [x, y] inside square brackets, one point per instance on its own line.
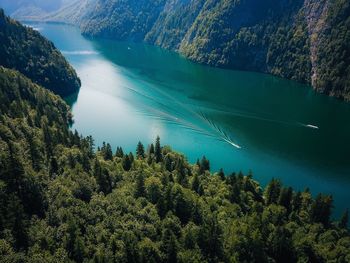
[239, 120]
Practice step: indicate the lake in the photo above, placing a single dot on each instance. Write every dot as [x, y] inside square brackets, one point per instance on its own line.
[240, 121]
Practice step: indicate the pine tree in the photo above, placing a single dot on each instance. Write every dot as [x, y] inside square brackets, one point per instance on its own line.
[297, 201]
[204, 165]
[221, 174]
[321, 209]
[285, 198]
[272, 192]
[343, 223]
[158, 150]
[107, 152]
[151, 149]
[131, 157]
[169, 245]
[195, 183]
[53, 166]
[140, 151]
[103, 178]
[126, 163]
[140, 186]
[119, 153]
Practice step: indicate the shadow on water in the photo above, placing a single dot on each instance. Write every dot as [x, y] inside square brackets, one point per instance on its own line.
[72, 99]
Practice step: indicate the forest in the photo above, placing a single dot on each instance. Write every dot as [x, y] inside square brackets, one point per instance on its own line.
[24, 49]
[62, 199]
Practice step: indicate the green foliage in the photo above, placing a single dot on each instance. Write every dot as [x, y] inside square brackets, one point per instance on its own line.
[25, 50]
[61, 201]
[334, 52]
[140, 151]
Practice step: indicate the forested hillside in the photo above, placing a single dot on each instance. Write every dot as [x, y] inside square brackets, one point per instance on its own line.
[62, 200]
[25, 50]
[307, 41]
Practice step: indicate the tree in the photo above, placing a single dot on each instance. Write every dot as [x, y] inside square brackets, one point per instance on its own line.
[119, 152]
[151, 149]
[343, 223]
[204, 165]
[321, 209]
[126, 163]
[153, 189]
[140, 186]
[210, 238]
[149, 251]
[285, 198]
[221, 174]
[281, 245]
[272, 192]
[195, 183]
[131, 157]
[103, 178]
[297, 201]
[170, 246]
[108, 154]
[140, 151]
[74, 242]
[158, 150]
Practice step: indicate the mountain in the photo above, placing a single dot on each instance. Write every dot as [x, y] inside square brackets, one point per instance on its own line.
[62, 201]
[25, 50]
[303, 40]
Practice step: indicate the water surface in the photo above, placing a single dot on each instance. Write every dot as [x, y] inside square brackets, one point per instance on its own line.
[239, 120]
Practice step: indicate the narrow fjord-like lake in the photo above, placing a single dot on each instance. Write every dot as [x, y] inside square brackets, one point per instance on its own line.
[239, 120]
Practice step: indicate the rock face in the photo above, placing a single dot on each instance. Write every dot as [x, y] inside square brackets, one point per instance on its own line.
[315, 15]
[302, 40]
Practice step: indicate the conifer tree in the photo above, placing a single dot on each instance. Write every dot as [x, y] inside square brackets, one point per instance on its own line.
[343, 223]
[119, 153]
[321, 209]
[140, 186]
[140, 151]
[272, 192]
[126, 163]
[158, 150]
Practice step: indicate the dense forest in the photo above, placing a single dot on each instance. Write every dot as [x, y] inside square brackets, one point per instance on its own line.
[25, 50]
[303, 40]
[62, 200]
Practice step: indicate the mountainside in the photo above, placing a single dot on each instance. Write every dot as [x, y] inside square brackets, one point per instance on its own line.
[25, 50]
[302, 40]
[62, 201]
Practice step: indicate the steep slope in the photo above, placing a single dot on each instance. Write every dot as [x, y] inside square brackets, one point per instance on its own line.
[61, 201]
[332, 59]
[25, 50]
[131, 19]
[303, 40]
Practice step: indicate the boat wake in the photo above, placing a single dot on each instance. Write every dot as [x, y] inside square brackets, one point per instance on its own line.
[311, 126]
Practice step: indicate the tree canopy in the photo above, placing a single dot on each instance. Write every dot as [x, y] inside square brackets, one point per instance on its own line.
[63, 201]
